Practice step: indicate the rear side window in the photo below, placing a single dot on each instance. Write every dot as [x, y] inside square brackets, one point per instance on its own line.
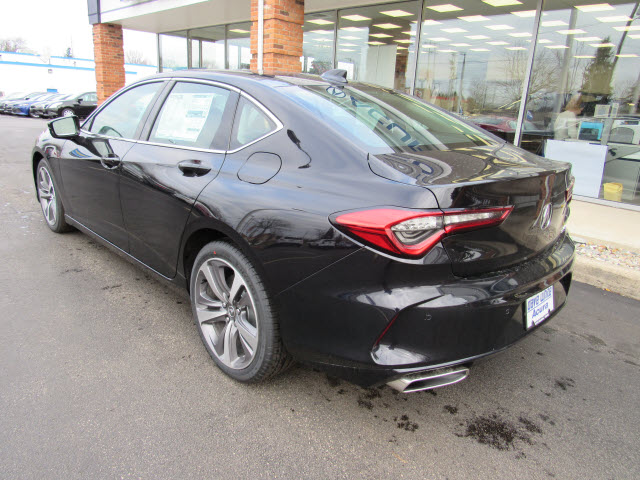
[192, 116]
[121, 117]
[251, 124]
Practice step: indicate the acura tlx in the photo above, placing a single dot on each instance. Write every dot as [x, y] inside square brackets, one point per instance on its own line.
[340, 224]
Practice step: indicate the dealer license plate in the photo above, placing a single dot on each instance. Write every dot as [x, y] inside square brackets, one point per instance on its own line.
[539, 307]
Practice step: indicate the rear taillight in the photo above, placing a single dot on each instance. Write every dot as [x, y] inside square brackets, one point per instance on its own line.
[413, 233]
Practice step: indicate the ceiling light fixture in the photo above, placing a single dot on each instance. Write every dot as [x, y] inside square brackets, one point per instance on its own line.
[320, 21]
[502, 3]
[396, 13]
[615, 18]
[356, 18]
[587, 39]
[597, 7]
[444, 8]
[474, 18]
[525, 13]
[575, 31]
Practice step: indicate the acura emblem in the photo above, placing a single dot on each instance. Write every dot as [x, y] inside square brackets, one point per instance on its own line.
[545, 216]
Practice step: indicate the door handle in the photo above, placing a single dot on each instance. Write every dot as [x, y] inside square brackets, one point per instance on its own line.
[110, 162]
[193, 168]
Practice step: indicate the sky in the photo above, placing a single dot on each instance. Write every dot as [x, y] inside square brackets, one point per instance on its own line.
[51, 26]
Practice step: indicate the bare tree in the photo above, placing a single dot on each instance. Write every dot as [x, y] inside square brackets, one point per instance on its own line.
[135, 56]
[13, 44]
[543, 74]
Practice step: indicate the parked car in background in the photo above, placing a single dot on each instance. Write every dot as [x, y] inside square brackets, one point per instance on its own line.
[345, 225]
[9, 100]
[22, 107]
[533, 136]
[37, 109]
[80, 105]
[501, 124]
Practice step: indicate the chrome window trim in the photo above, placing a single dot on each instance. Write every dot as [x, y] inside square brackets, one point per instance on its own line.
[181, 147]
[98, 135]
[265, 110]
[204, 80]
[125, 89]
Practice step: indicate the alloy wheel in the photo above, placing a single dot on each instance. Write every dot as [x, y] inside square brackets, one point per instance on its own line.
[226, 313]
[47, 195]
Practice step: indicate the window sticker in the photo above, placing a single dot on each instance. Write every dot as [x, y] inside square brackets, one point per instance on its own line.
[183, 116]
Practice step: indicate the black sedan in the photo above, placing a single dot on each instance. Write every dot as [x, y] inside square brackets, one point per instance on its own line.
[343, 225]
[80, 104]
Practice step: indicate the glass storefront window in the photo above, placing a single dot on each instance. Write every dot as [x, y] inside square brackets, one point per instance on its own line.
[210, 46]
[376, 44]
[238, 46]
[173, 50]
[586, 101]
[318, 38]
[473, 58]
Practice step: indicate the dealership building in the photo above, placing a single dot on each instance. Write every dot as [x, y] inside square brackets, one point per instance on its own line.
[558, 78]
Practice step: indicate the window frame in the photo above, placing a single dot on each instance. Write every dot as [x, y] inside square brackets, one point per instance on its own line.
[143, 121]
[146, 124]
[278, 124]
[155, 112]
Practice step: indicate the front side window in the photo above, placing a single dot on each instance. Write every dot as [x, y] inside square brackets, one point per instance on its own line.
[192, 117]
[122, 116]
[251, 124]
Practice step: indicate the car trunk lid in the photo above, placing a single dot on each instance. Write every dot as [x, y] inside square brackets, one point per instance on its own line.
[485, 177]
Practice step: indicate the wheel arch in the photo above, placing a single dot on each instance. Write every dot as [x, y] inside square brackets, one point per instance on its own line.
[202, 233]
[35, 160]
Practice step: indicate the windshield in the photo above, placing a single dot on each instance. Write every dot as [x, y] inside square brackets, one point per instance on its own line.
[382, 120]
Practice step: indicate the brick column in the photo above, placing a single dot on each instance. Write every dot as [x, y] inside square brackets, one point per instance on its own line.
[283, 20]
[109, 57]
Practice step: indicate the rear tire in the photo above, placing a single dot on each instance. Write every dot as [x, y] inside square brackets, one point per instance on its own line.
[52, 208]
[234, 314]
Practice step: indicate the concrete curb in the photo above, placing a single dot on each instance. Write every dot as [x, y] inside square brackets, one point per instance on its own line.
[614, 278]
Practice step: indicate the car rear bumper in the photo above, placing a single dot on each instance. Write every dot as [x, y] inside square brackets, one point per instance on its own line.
[395, 319]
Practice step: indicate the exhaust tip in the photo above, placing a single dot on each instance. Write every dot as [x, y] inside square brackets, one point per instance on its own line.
[417, 382]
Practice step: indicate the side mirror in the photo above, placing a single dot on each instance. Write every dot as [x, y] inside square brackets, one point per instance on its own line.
[79, 100]
[64, 127]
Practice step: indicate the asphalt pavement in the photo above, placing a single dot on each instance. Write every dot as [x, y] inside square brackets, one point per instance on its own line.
[103, 375]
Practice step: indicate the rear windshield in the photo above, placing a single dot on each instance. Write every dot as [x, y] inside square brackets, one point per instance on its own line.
[381, 120]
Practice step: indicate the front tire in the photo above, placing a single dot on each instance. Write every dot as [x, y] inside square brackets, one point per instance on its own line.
[67, 112]
[52, 208]
[234, 314]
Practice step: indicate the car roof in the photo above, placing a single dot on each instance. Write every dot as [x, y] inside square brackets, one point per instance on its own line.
[246, 80]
